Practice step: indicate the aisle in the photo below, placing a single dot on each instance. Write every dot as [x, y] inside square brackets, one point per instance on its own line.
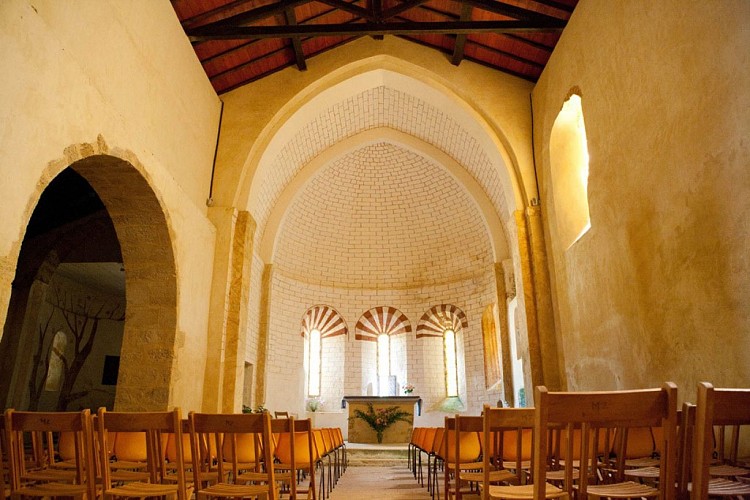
[386, 483]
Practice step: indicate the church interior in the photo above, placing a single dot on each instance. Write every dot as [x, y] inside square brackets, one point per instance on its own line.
[380, 214]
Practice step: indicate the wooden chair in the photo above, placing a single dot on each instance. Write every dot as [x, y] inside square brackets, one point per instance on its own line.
[592, 411]
[485, 474]
[717, 407]
[296, 451]
[211, 435]
[516, 425]
[46, 427]
[461, 452]
[154, 428]
[434, 459]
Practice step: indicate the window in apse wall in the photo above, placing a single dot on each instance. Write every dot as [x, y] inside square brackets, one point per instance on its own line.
[570, 172]
[384, 364]
[314, 364]
[451, 363]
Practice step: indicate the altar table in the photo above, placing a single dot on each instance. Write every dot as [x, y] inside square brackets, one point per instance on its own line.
[399, 432]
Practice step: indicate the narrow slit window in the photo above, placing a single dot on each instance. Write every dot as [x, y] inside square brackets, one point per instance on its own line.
[314, 364]
[451, 366]
[384, 364]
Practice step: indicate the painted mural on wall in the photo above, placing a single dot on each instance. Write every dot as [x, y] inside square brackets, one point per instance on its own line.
[79, 333]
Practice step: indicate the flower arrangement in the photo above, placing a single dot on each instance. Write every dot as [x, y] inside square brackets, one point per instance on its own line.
[382, 418]
[314, 404]
[408, 388]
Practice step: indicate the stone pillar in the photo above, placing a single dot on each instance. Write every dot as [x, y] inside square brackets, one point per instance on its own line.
[502, 317]
[263, 334]
[543, 296]
[227, 331]
[529, 301]
[236, 333]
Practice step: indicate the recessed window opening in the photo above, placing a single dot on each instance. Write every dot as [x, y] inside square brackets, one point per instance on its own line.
[314, 362]
[569, 157]
[451, 363]
[384, 364]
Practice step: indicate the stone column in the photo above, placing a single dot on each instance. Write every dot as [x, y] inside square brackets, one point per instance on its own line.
[529, 301]
[239, 288]
[502, 317]
[263, 334]
[227, 332]
[543, 296]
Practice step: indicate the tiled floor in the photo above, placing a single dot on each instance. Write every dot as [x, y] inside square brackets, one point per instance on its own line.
[381, 483]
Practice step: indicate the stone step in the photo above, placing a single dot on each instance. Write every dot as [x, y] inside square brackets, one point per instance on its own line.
[378, 457]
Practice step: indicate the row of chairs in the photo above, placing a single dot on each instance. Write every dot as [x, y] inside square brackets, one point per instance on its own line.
[140, 454]
[617, 444]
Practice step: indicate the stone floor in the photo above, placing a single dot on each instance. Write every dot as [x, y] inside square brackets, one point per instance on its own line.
[381, 483]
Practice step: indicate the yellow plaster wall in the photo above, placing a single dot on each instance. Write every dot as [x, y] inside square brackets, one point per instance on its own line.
[122, 72]
[659, 287]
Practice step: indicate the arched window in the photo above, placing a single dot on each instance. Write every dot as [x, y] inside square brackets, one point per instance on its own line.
[384, 325]
[56, 365]
[446, 322]
[569, 158]
[318, 323]
[451, 363]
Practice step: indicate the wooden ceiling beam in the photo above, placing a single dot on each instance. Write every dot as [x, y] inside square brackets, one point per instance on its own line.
[252, 16]
[458, 47]
[557, 5]
[408, 28]
[299, 55]
[236, 48]
[511, 11]
[403, 7]
[351, 8]
[199, 18]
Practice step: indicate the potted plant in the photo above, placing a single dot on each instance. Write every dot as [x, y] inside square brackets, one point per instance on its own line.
[382, 418]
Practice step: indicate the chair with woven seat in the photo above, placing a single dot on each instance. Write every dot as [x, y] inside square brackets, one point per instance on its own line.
[715, 409]
[45, 428]
[594, 411]
[482, 475]
[153, 429]
[216, 446]
[515, 425]
[461, 452]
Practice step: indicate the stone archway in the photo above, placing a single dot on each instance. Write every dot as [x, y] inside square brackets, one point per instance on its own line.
[147, 355]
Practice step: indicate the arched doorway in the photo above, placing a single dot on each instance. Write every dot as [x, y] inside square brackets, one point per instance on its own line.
[139, 225]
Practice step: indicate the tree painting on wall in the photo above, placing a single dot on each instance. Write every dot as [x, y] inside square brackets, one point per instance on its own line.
[81, 317]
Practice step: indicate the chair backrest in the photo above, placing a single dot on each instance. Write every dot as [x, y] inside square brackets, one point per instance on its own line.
[299, 451]
[593, 411]
[281, 414]
[513, 429]
[208, 432]
[715, 407]
[470, 447]
[154, 428]
[46, 427]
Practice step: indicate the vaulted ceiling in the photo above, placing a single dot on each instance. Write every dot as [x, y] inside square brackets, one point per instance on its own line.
[240, 41]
